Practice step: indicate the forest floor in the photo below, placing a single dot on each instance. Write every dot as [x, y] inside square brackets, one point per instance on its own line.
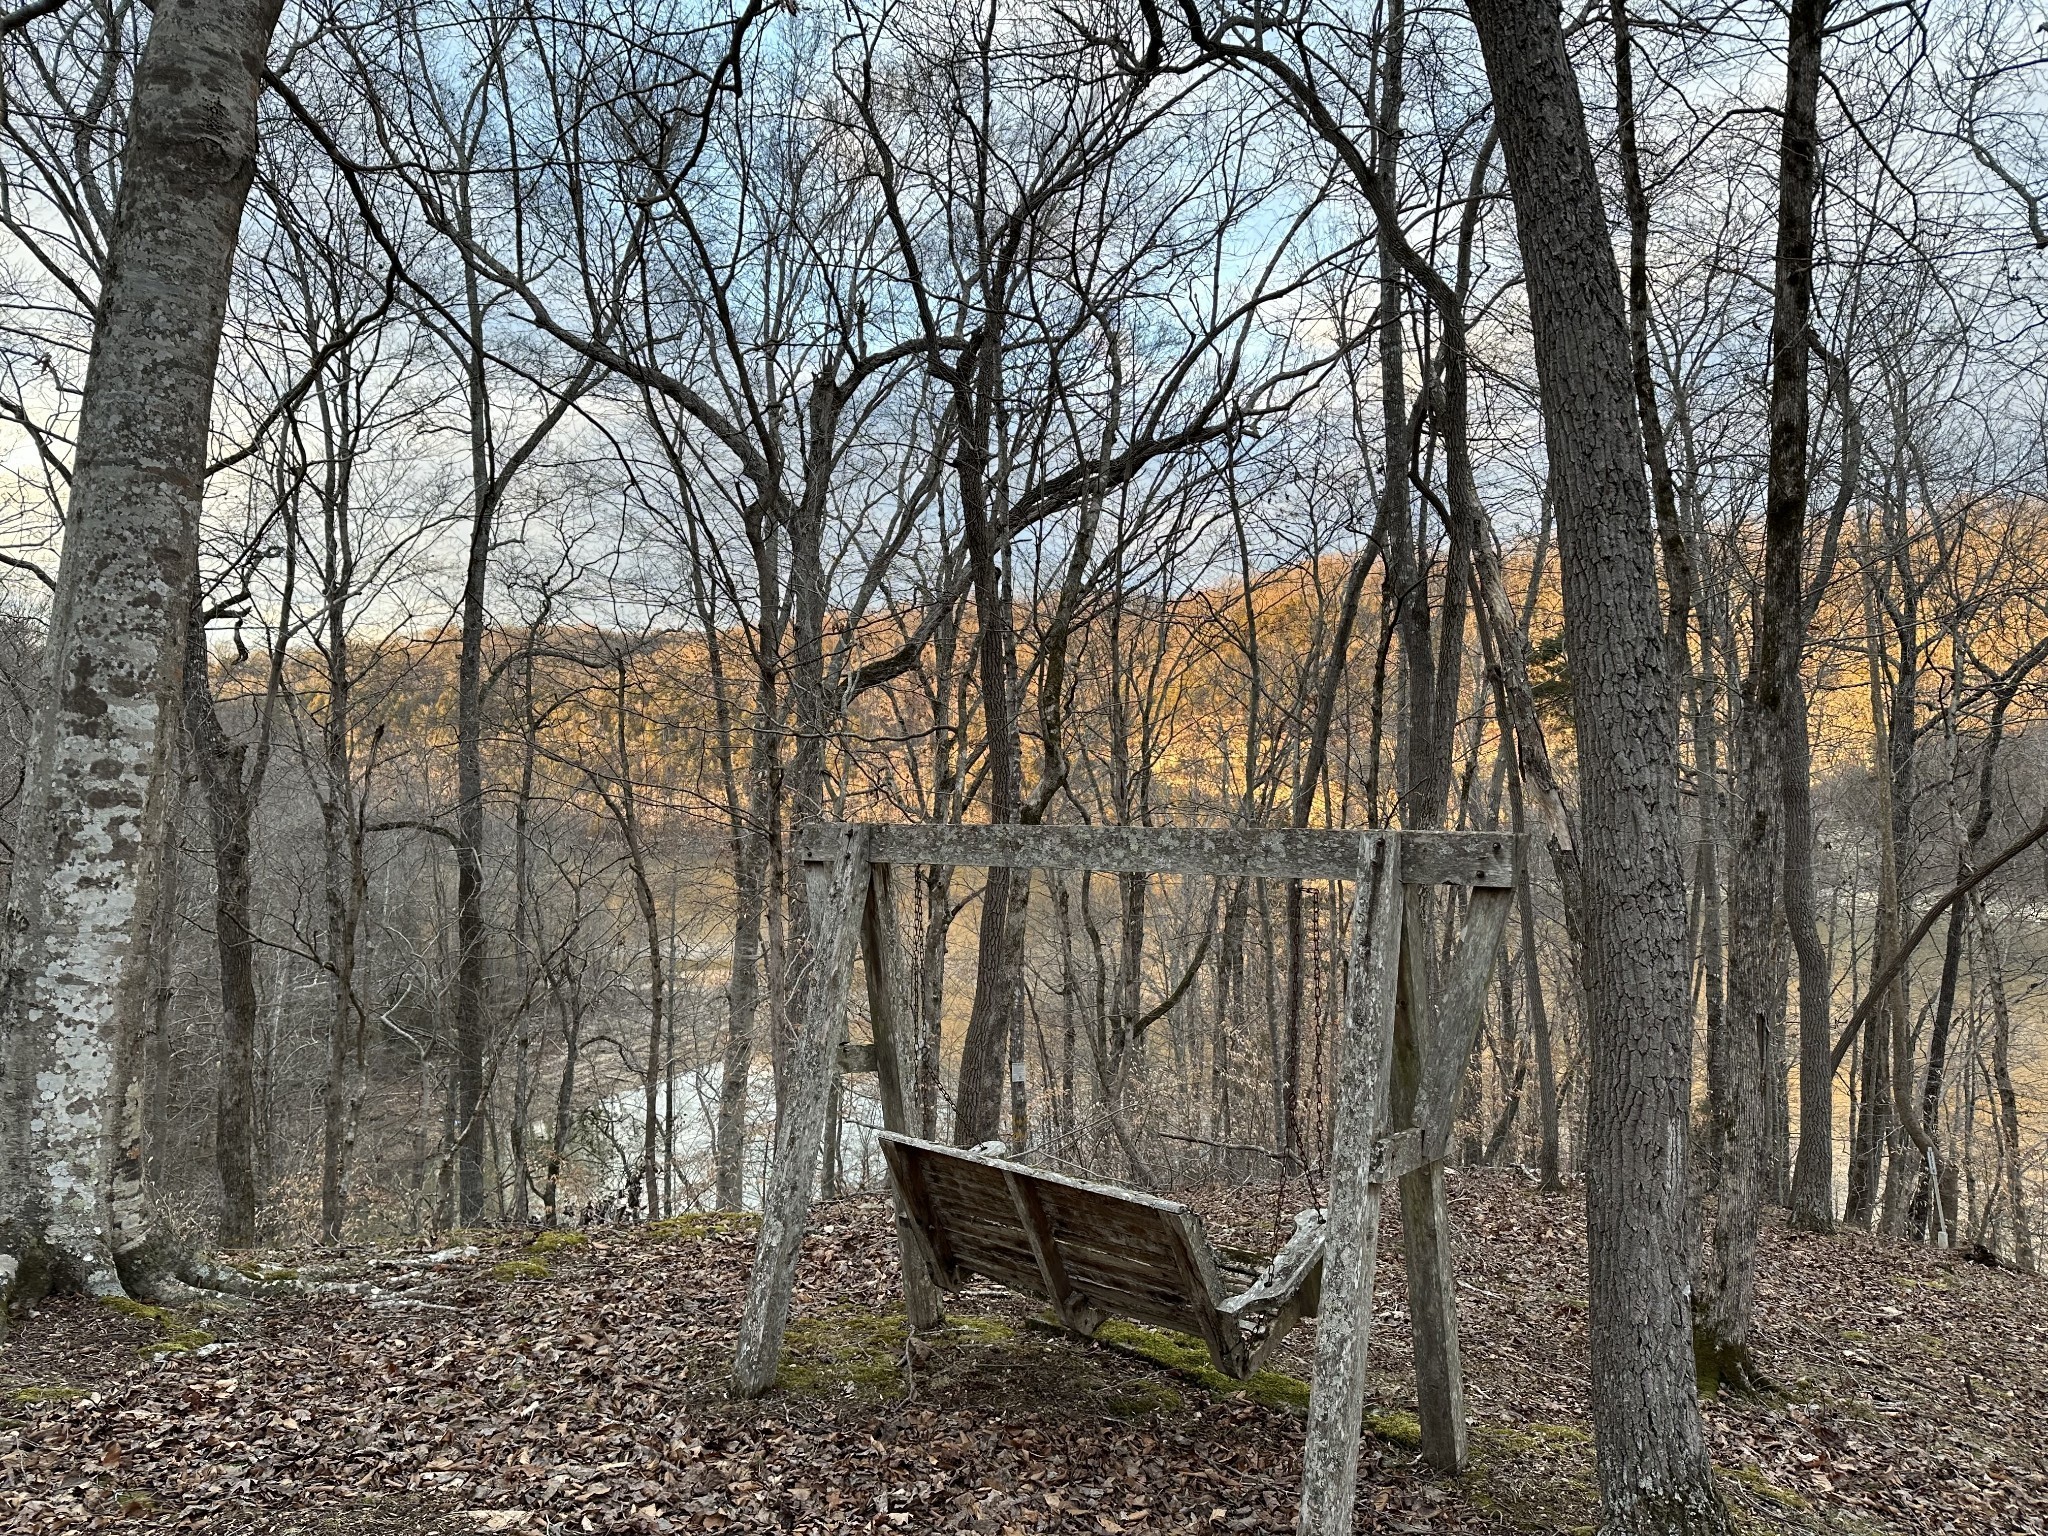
[580, 1387]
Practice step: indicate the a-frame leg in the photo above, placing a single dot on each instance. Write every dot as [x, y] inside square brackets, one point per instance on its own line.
[1425, 1224]
[882, 961]
[836, 889]
[1432, 1042]
[1344, 1323]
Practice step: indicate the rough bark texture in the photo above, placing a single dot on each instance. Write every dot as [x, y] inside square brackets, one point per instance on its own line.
[230, 806]
[977, 1114]
[1783, 636]
[1651, 1455]
[1736, 1098]
[75, 977]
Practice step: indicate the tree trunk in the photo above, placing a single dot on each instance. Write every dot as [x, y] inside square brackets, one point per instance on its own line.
[570, 992]
[2002, 1085]
[1782, 636]
[1651, 1453]
[1548, 1160]
[469, 777]
[84, 884]
[230, 809]
[977, 1113]
[1736, 1091]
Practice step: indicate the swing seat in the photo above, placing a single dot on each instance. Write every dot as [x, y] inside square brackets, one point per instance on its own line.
[1094, 1251]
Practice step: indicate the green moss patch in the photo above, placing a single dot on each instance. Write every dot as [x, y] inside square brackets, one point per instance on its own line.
[846, 1352]
[141, 1310]
[266, 1274]
[520, 1269]
[180, 1341]
[178, 1338]
[46, 1394]
[1758, 1484]
[1535, 1476]
[559, 1238]
[1139, 1400]
[696, 1226]
[1189, 1357]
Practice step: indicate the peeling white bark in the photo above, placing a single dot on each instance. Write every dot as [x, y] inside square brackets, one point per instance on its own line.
[73, 990]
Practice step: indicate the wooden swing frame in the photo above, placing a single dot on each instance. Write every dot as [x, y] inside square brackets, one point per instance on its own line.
[1400, 1063]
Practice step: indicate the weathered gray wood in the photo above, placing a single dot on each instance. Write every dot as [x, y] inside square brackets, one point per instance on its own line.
[1227, 1347]
[1092, 1249]
[906, 1177]
[1110, 1192]
[1433, 1319]
[1289, 1290]
[1344, 1323]
[1290, 1268]
[1424, 1108]
[1398, 1154]
[1073, 1310]
[882, 961]
[837, 885]
[1456, 1016]
[857, 1056]
[1457, 858]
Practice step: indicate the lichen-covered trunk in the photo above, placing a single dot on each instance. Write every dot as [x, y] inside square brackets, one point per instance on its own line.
[75, 971]
[1650, 1450]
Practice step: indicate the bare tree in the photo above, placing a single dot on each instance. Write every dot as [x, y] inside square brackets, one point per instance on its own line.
[83, 890]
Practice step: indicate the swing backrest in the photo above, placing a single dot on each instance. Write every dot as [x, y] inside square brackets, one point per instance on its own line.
[1091, 1250]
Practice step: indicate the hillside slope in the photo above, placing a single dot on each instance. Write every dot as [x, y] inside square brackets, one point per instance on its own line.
[579, 1388]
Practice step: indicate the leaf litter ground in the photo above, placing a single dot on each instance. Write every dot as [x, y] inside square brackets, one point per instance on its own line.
[580, 1387]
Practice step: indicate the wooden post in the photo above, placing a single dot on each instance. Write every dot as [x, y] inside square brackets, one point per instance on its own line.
[1425, 1229]
[882, 961]
[836, 884]
[1344, 1323]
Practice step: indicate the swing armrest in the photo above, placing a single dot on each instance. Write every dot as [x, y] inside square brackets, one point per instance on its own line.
[1294, 1275]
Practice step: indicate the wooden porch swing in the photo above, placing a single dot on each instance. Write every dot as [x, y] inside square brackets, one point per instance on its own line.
[1094, 1250]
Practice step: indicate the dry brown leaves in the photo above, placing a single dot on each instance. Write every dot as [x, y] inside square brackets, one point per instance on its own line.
[1914, 1398]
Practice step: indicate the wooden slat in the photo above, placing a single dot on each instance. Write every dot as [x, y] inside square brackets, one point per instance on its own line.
[1021, 1276]
[956, 1158]
[971, 1224]
[1160, 1287]
[1137, 1231]
[1430, 858]
[1433, 1319]
[1109, 1253]
[1227, 1350]
[1171, 1311]
[1285, 1276]
[906, 1176]
[1073, 1310]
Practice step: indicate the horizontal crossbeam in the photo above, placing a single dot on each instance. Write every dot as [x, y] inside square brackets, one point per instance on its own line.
[1427, 858]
